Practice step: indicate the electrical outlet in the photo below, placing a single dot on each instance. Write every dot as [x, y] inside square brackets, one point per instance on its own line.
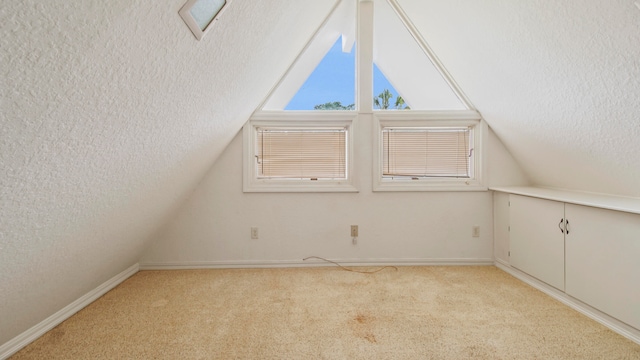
[254, 233]
[354, 230]
[475, 232]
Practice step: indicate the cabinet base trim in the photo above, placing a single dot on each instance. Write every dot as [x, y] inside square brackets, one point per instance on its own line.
[614, 324]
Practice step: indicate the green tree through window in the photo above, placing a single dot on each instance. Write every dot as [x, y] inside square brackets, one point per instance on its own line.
[382, 102]
[336, 105]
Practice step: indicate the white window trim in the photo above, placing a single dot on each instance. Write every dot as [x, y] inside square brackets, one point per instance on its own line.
[185, 14]
[296, 119]
[430, 118]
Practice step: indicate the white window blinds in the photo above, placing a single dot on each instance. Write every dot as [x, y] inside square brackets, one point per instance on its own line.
[289, 153]
[427, 152]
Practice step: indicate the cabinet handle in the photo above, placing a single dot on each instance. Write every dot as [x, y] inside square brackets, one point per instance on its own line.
[560, 225]
[566, 227]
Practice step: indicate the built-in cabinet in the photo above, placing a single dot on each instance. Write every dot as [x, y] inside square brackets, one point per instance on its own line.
[602, 261]
[538, 238]
[590, 253]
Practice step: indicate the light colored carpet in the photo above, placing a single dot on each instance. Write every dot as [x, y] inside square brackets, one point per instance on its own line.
[327, 313]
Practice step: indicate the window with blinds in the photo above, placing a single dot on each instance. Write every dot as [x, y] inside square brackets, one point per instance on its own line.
[427, 152]
[309, 153]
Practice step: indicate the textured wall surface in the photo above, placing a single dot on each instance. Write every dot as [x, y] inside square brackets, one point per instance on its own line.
[558, 81]
[213, 228]
[111, 113]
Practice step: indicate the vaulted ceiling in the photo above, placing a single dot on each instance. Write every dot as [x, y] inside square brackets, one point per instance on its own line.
[558, 81]
[112, 112]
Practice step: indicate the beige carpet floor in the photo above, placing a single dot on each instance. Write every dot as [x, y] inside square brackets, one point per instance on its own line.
[328, 313]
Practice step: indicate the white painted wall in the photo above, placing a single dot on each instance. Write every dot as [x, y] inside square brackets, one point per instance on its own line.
[558, 81]
[111, 113]
[214, 226]
[213, 229]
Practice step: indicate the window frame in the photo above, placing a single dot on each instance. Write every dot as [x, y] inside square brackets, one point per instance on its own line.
[426, 119]
[297, 120]
[190, 21]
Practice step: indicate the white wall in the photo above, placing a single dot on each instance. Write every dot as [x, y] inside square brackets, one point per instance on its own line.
[558, 81]
[214, 226]
[111, 113]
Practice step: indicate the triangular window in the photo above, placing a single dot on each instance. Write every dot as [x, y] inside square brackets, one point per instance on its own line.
[406, 73]
[332, 85]
[432, 143]
[385, 96]
[323, 76]
[406, 66]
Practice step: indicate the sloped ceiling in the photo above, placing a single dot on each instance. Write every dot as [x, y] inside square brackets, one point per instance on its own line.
[111, 114]
[558, 81]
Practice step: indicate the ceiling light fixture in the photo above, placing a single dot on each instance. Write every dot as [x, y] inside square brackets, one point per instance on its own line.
[200, 14]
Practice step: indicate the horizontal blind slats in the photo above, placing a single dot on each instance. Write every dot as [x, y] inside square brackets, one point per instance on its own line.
[302, 153]
[426, 152]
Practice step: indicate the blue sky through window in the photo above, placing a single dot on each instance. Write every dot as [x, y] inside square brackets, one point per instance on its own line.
[334, 80]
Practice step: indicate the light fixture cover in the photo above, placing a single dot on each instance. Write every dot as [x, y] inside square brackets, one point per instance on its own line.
[199, 14]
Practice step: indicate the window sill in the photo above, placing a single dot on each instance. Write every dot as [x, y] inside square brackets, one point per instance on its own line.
[427, 185]
[308, 186]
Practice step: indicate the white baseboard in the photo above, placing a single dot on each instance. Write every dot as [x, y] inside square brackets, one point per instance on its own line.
[614, 324]
[310, 263]
[24, 339]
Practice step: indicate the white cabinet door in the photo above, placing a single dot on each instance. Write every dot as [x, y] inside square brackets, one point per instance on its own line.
[537, 238]
[603, 261]
[501, 227]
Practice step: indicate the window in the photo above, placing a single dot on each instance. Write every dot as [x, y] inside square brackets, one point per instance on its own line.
[428, 151]
[323, 77]
[298, 152]
[331, 85]
[301, 154]
[403, 68]
[200, 14]
[300, 139]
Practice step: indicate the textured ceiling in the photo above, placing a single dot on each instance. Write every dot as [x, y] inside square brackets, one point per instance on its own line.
[111, 114]
[558, 81]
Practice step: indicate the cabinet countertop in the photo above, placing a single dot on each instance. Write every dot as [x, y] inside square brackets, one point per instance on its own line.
[604, 201]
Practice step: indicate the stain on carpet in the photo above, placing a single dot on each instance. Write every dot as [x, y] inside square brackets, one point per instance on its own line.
[370, 338]
[363, 327]
[361, 319]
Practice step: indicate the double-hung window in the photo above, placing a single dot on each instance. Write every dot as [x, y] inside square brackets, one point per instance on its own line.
[299, 152]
